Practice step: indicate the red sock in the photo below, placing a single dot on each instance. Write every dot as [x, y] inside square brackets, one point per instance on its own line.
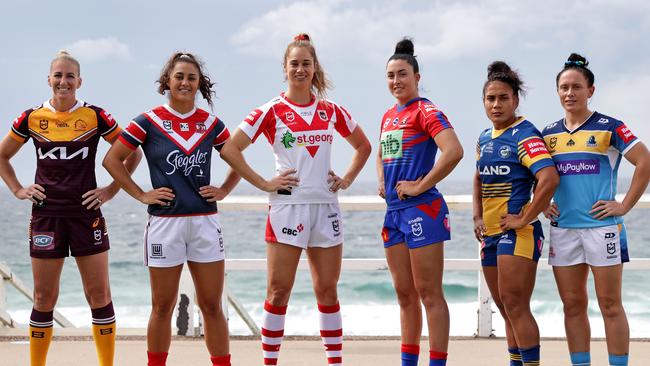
[156, 358]
[220, 360]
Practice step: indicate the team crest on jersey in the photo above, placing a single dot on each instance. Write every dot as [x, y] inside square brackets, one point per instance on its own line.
[592, 141]
[167, 124]
[80, 125]
[504, 152]
[322, 115]
[43, 124]
[288, 140]
[403, 122]
[552, 142]
[200, 127]
[395, 121]
[387, 122]
[290, 116]
[185, 126]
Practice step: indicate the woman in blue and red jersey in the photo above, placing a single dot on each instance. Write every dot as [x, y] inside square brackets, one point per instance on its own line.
[417, 220]
[177, 139]
[511, 159]
[65, 214]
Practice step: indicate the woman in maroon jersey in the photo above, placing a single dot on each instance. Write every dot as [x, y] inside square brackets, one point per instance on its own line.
[66, 201]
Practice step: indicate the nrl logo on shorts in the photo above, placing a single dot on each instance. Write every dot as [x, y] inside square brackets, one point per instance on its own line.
[335, 226]
[322, 115]
[611, 248]
[98, 236]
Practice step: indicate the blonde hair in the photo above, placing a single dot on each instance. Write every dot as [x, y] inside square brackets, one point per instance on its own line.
[65, 55]
[320, 83]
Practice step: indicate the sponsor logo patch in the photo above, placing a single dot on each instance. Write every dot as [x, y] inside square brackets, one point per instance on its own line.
[578, 167]
[293, 232]
[625, 134]
[43, 241]
[156, 251]
[106, 331]
[391, 144]
[535, 147]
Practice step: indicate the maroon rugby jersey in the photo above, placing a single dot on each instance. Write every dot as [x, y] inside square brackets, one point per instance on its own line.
[66, 145]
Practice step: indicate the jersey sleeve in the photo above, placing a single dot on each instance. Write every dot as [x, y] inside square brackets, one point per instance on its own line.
[222, 135]
[532, 152]
[623, 139]
[135, 134]
[260, 120]
[106, 125]
[344, 124]
[433, 121]
[20, 127]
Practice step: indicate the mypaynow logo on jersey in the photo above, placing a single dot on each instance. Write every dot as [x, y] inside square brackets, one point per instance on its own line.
[391, 144]
[184, 162]
[578, 167]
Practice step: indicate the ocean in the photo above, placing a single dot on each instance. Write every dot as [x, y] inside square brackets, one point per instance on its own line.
[368, 301]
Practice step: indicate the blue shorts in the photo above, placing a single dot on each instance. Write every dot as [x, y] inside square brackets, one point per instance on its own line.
[417, 226]
[526, 242]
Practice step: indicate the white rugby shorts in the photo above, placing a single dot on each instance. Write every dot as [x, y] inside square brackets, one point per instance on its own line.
[598, 246]
[170, 241]
[305, 225]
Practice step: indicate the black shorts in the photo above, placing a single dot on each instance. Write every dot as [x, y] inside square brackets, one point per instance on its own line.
[58, 237]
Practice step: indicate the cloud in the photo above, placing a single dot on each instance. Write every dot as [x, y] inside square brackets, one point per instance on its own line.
[627, 98]
[93, 50]
[444, 30]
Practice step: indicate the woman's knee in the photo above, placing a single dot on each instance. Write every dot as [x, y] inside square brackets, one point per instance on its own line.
[610, 306]
[431, 296]
[211, 309]
[278, 295]
[97, 296]
[45, 298]
[163, 308]
[575, 305]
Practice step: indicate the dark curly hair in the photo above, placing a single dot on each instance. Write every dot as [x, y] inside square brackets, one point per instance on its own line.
[405, 50]
[501, 71]
[578, 63]
[205, 84]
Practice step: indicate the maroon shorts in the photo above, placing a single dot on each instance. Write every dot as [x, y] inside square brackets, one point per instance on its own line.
[58, 237]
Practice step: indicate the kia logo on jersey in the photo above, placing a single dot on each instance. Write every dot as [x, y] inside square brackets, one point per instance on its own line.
[61, 152]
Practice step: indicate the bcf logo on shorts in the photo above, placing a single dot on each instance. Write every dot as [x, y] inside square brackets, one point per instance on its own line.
[43, 241]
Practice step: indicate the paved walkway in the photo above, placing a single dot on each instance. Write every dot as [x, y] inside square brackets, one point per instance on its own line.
[297, 352]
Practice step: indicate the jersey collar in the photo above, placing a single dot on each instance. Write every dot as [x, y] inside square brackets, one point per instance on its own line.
[400, 108]
[178, 114]
[311, 102]
[496, 133]
[78, 104]
[579, 126]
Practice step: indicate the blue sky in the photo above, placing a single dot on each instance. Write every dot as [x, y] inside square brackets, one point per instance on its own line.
[122, 46]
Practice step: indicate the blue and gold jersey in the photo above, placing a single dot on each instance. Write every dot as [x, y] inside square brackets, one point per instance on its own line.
[507, 161]
[587, 160]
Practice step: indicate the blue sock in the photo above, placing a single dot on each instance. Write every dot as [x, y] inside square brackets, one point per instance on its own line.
[530, 356]
[437, 358]
[410, 353]
[618, 360]
[580, 359]
[515, 357]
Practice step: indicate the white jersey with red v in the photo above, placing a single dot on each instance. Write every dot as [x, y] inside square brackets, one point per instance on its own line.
[178, 148]
[301, 137]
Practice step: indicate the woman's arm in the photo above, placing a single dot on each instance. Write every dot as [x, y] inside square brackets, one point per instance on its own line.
[96, 197]
[451, 154]
[114, 164]
[379, 164]
[213, 194]
[8, 148]
[640, 158]
[231, 153]
[477, 207]
[547, 181]
[358, 140]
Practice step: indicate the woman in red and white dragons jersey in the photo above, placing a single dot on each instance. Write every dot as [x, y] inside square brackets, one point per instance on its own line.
[304, 212]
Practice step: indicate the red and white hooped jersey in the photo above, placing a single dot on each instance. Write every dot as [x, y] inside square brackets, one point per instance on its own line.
[301, 137]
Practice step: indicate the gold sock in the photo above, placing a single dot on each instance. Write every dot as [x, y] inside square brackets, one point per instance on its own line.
[39, 343]
[104, 336]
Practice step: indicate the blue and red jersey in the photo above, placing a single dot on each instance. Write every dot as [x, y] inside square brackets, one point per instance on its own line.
[408, 149]
[178, 148]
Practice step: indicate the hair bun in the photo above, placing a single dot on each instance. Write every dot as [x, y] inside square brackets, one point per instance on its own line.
[405, 46]
[498, 67]
[63, 53]
[302, 37]
[577, 58]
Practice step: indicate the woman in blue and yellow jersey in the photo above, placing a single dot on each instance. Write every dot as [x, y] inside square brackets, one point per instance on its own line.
[416, 224]
[66, 216]
[511, 160]
[587, 229]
